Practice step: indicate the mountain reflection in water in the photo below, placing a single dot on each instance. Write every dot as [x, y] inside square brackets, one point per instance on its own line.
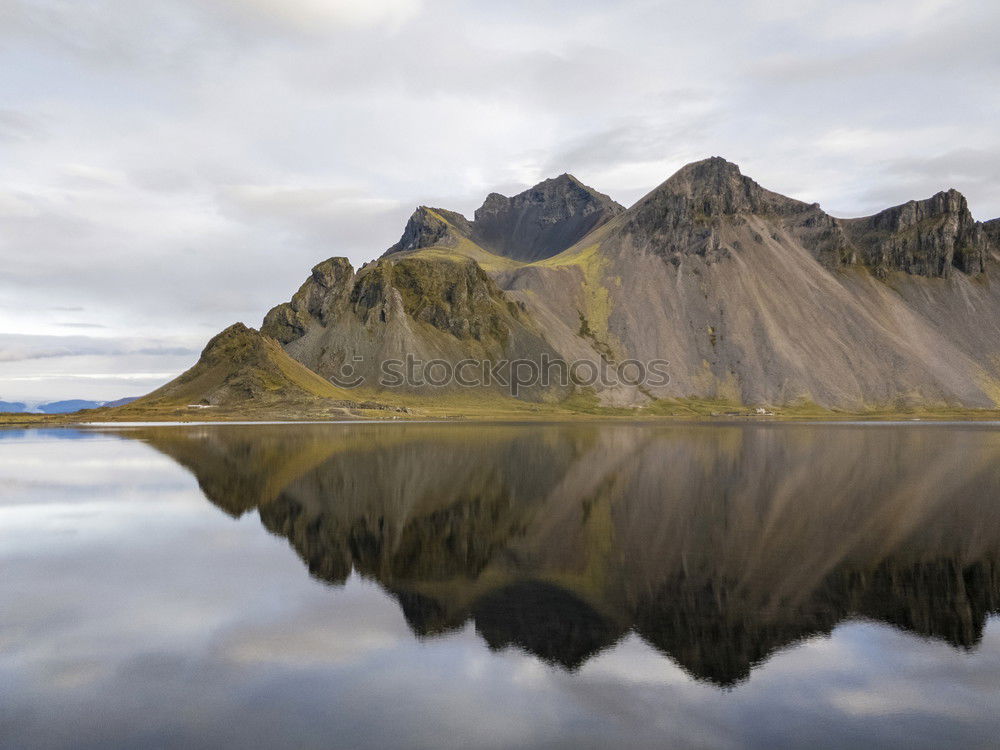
[717, 546]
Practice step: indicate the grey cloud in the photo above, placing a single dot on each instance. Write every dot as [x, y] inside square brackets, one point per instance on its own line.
[169, 37]
[634, 141]
[163, 180]
[953, 43]
[313, 16]
[19, 347]
[971, 171]
[96, 32]
[314, 213]
[16, 125]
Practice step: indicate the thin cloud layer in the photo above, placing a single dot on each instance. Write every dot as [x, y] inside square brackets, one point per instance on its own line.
[175, 165]
[17, 348]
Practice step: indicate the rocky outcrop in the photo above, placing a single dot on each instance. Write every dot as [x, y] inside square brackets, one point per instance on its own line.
[991, 229]
[320, 298]
[431, 227]
[455, 297]
[923, 238]
[403, 306]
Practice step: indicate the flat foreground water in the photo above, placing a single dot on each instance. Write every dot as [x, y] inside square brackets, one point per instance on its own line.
[498, 586]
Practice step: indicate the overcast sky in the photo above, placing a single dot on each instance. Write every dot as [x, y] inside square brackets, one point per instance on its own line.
[168, 167]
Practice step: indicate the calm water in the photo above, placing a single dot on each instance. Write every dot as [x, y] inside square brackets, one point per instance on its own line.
[461, 586]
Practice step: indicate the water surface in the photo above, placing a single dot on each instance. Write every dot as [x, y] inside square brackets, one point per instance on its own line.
[470, 586]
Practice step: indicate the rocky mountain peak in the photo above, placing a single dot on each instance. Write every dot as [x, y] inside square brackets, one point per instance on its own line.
[562, 196]
[682, 216]
[715, 187]
[428, 227]
[494, 202]
[543, 220]
[333, 273]
[715, 170]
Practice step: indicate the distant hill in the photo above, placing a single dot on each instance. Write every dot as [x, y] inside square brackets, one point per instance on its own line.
[12, 407]
[69, 406]
[120, 402]
[73, 405]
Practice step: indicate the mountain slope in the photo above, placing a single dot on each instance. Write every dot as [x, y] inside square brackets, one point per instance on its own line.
[238, 366]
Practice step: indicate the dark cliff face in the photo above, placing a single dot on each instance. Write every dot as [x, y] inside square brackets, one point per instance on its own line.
[538, 223]
[542, 221]
[925, 238]
[322, 297]
[991, 230]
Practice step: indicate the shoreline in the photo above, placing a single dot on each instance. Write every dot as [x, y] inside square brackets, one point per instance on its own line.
[121, 417]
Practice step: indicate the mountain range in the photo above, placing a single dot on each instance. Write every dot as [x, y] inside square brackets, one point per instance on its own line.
[748, 296]
[68, 406]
